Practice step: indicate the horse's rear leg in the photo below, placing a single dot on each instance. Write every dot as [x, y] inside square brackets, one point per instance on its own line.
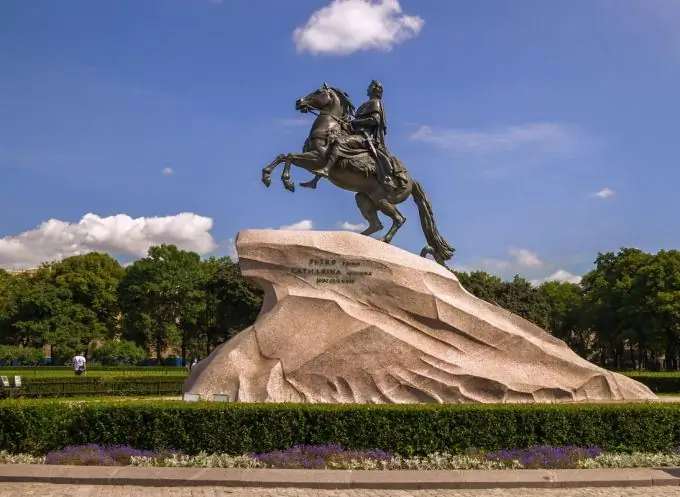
[370, 212]
[391, 211]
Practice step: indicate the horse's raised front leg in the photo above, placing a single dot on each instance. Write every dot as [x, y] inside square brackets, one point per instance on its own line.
[267, 171]
[285, 176]
[305, 160]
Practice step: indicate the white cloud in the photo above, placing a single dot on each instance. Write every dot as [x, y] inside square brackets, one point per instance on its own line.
[303, 225]
[351, 226]
[525, 258]
[348, 26]
[605, 193]
[168, 171]
[520, 258]
[230, 247]
[494, 264]
[523, 261]
[116, 235]
[560, 275]
[547, 136]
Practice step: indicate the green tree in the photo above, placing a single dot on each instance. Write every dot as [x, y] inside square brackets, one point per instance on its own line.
[91, 283]
[233, 303]
[522, 298]
[26, 355]
[9, 296]
[162, 298]
[65, 304]
[656, 291]
[614, 306]
[565, 315]
[117, 351]
[482, 285]
[45, 316]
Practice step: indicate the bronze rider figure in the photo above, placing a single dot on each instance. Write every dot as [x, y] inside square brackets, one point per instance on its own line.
[369, 128]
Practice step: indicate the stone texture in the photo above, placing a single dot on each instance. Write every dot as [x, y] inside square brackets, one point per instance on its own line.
[44, 490]
[340, 480]
[406, 331]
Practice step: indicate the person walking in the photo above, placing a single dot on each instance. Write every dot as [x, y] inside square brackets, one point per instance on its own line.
[79, 364]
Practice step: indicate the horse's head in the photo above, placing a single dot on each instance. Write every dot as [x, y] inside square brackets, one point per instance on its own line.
[317, 100]
[326, 99]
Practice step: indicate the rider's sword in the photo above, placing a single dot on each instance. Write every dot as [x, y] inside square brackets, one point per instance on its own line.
[386, 174]
[370, 143]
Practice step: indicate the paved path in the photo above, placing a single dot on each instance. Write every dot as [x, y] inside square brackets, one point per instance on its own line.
[46, 490]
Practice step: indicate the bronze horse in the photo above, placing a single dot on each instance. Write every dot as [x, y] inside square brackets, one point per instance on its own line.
[334, 112]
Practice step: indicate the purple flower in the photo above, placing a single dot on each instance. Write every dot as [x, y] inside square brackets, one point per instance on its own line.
[96, 455]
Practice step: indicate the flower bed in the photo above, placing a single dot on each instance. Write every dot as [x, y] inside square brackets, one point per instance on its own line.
[337, 457]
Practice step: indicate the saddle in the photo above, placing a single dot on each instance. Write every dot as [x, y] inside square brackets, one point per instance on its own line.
[364, 163]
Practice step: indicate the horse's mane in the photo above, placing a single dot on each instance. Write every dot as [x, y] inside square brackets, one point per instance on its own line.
[347, 105]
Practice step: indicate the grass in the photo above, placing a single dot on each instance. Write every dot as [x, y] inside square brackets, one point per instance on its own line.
[39, 372]
[106, 398]
[93, 373]
[660, 374]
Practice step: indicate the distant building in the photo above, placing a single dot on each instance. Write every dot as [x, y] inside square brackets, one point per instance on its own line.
[29, 271]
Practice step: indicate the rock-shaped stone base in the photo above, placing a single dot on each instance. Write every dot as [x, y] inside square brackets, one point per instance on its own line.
[347, 318]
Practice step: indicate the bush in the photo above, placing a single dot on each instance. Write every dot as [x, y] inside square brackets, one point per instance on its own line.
[116, 352]
[660, 384]
[104, 385]
[39, 427]
[26, 355]
[95, 367]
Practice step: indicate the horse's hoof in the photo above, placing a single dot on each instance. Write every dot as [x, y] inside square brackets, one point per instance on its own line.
[308, 184]
[267, 181]
[290, 186]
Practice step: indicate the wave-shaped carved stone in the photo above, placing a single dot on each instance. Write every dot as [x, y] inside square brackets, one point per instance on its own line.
[347, 318]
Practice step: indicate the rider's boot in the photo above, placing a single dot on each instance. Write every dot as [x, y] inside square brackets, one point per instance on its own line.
[311, 184]
[324, 171]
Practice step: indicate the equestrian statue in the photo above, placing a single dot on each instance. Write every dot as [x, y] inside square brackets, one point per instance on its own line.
[348, 148]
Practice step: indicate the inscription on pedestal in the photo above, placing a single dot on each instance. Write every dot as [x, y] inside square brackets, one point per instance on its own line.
[332, 271]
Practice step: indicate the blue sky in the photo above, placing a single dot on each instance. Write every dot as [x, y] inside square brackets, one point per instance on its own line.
[513, 115]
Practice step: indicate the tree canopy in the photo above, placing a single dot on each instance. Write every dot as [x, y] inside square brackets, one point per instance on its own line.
[169, 300]
[625, 313]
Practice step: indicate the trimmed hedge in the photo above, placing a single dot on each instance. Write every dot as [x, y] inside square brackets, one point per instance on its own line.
[91, 366]
[37, 427]
[660, 384]
[101, 385]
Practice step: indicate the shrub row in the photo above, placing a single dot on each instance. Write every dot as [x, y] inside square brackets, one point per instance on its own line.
[660, 384]
[37, 427]
[90, 366]
[103, 385]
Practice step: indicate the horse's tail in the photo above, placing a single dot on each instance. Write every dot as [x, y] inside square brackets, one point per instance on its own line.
[436, 245]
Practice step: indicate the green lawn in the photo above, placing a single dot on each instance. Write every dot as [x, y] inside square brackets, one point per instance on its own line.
[39, 372]
[661, 374]
[102, 398]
